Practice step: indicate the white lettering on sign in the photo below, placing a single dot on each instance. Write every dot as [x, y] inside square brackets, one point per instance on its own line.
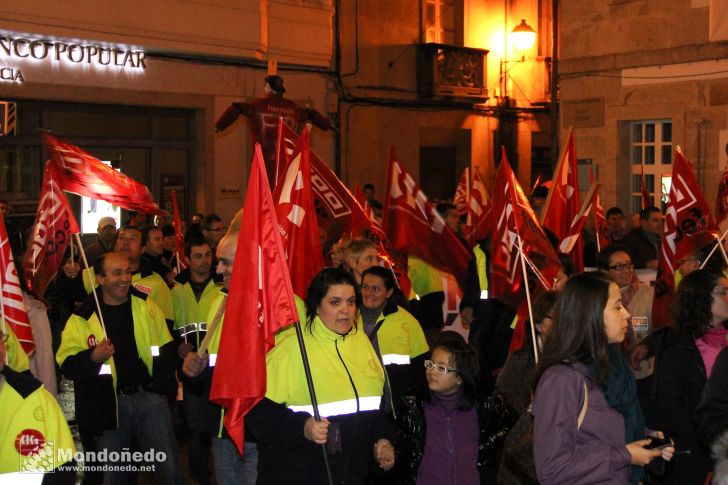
[18, 48]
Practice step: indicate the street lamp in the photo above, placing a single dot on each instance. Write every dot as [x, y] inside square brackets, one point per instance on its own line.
[523, 36]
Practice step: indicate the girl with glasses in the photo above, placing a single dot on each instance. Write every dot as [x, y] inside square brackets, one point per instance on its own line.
[451, 427]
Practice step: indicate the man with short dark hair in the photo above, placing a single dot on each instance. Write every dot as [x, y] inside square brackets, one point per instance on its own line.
[213, 230]
[643, 243]
[122, 369]
[193, 296]
[616, 225]
[154, 252]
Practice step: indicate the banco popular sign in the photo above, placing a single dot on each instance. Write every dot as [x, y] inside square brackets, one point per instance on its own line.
[15, 50]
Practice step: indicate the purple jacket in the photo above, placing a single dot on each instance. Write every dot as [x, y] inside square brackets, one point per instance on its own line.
[563, 454]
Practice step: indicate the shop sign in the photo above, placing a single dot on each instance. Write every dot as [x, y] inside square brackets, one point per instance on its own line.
[15, 48]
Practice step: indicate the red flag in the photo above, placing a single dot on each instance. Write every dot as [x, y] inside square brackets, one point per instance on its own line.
[646, 199]
[51, 233]
[263, 303]
[81, 173]
[297, 220]
[479, 221]
[414, 226]
[600, 221]
[514, 217]
[562, 203]
[721, 202]
[687, 213]
[519, 332]
[462, 193]
[179, 237]
[12, 304]
[577, 225]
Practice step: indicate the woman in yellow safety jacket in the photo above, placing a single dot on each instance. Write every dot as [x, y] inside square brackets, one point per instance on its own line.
[395, 334]
[348, 381]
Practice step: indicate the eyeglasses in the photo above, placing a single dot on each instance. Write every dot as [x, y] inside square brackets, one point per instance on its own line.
[442, 369]
[4, 337]
[622, 266]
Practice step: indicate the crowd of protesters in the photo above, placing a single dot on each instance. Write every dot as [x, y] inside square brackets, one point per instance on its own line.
[596, 396]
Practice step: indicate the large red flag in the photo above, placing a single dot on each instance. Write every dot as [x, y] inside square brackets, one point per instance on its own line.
[514, 217]
[721, 202]
[297, 220]
[179, 236]
[462, 193]
[413, 225]
[261, 303]
[687, 213]
[78, 171]
[562, 203]
[52, 232]
[600, 221]
[12, 305]
[514, 220]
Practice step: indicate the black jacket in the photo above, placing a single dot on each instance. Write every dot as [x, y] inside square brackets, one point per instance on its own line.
[495, 418]
[95, 399]
[679, 380]
[712, 414]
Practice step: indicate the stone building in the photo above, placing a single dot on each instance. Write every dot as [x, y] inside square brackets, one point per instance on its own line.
[638, 79]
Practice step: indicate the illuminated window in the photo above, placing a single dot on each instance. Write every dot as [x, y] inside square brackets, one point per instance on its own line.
[440, 20]
[651, 151]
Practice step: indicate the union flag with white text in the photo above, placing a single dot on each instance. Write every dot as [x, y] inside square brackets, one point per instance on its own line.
[413, 225]
[479, 220]
[515, 224]
[12, 305]
[297, 219]
[50, 235]
[687, 213]
[77, 171]
[562, 203]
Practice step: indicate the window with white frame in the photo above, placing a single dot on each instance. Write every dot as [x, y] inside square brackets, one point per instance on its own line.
[439, 21]
[651, 152]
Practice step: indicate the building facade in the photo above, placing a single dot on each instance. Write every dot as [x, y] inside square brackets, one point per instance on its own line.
[141, 84]
[638, 79]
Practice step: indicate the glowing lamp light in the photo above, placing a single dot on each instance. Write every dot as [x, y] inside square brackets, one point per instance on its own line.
[523, 36]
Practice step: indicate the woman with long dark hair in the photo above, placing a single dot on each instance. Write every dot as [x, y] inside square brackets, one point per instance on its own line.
[451, 427]
[684, 364]
[588, 426]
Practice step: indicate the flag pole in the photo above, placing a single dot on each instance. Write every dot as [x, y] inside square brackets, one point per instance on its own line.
[528, 298]
[718, 243]
[312, 393]
[93, 287]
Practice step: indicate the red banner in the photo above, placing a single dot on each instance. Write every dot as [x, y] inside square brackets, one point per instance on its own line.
[297, 220]
[516, 223]
[12, 304]
[462, 193]
[687, 213]
[78, 171]
[562, 203]
[51, 233]
[263, 303]
[600, 221]
[413, 225]
[479, 221]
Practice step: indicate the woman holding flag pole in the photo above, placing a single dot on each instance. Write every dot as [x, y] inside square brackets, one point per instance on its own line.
[349, 382]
